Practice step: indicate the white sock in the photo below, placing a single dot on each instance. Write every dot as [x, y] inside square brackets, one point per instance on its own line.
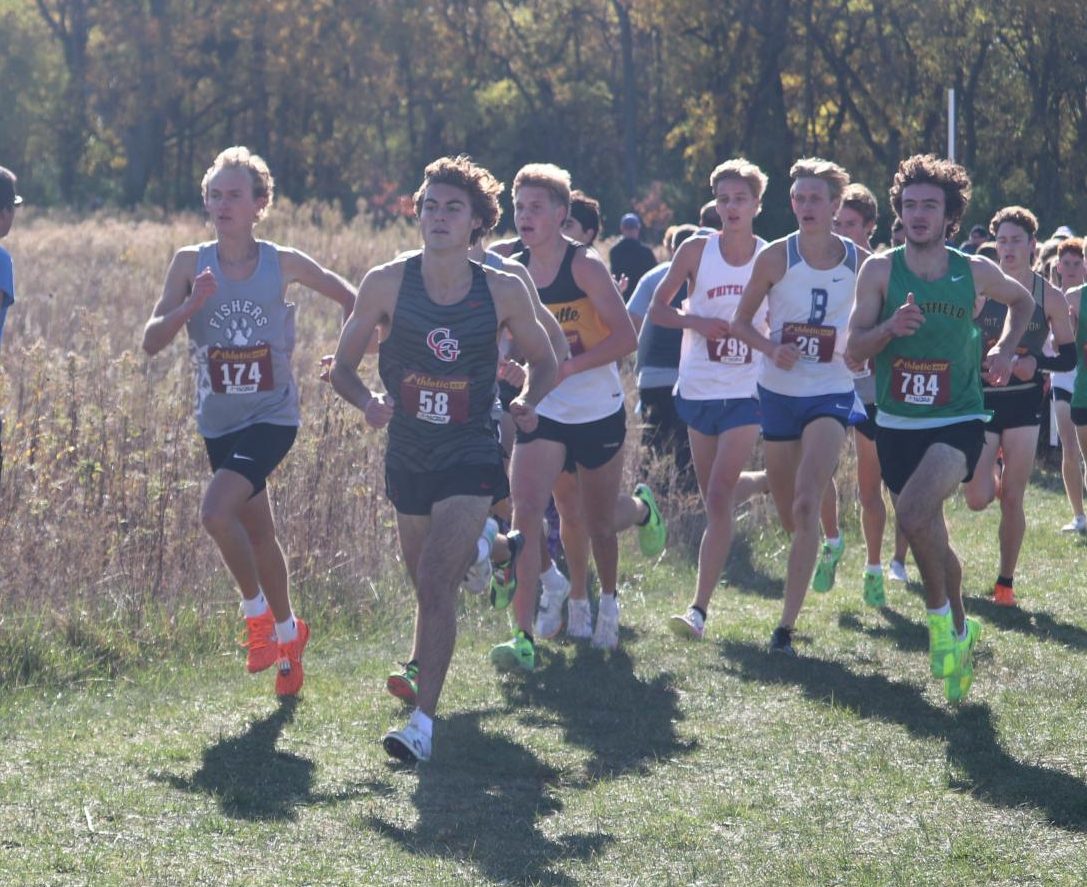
[422, 722]
[834, 541]
[874, 569]
[257, 606]
[941, 611]
[287, 631]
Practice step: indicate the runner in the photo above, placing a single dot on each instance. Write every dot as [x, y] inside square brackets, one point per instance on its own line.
[1077, 299]
[582, 423]
[856, 220]
[805, 388]
[438, 365]
[715, 392]
[1016, 406]
[230, 295]
[9, 200]
[1068, 274]
[914, 316]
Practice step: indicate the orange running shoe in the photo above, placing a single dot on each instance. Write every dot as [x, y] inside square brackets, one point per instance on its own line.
[289, 674]
[1004, 596]
[261, 642]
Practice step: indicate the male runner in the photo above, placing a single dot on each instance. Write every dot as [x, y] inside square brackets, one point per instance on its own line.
[805, 388]
[914, 315]
[715, 393]
[438, 364]
[582, 421]
[1016, 406]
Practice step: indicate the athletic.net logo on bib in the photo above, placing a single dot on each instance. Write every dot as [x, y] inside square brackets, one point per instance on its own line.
[444, 346]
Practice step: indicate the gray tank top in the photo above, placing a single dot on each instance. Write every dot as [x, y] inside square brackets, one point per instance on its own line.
[240, 344]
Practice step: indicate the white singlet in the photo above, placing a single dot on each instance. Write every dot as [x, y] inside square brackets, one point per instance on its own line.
[719, 369]
[811, 308]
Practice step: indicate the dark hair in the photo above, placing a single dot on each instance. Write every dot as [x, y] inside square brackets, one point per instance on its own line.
[585, 210]
[679, 234]
[1017, 215]
[482, 188]
[928, 169]
[709, 217]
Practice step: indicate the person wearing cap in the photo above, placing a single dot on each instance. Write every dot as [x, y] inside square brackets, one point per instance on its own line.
[630, 258]
[1062, 233]
[8, 201]
[978, 236]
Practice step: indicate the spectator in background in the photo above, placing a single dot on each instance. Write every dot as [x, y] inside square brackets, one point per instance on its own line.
[656, 368]
[1062, 233]
[630, 258]
[8, 201]
[978, 236]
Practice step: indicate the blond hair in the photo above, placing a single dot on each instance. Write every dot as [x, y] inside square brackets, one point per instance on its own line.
[744, 170]
[818, 168]
[545, 175]
[240, 157]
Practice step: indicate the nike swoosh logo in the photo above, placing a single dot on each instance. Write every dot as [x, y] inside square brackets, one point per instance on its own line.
[957, 279]
[246, 458]
[836, 279]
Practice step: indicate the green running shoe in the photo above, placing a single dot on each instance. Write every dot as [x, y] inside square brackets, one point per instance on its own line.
[873, 590]
[518, 654]
[504, 577]
[404, 685]
[941, 645]
[958, 684]
[823, 580]
[653, 533]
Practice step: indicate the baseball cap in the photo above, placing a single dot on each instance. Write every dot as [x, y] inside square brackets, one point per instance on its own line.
[1063, 232]
[8, 197]
[630, 220]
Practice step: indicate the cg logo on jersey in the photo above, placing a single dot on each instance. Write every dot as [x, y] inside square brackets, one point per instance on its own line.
[444, 347]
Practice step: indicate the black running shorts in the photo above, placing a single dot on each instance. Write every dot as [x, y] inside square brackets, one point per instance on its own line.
[901, 450]
[252, 452]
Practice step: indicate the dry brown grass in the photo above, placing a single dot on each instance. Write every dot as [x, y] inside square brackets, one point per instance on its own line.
[103, 468]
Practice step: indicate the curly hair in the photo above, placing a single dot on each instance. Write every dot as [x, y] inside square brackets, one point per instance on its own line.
[481, 186]
[240, 157]
[928, 169]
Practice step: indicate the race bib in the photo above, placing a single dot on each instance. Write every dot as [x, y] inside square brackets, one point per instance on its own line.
[729, 351]
[922, 382]
[440, 400]
[241, 370]
[816, 343]
[573, 339]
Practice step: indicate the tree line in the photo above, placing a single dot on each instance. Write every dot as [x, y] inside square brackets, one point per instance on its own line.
[126, 101]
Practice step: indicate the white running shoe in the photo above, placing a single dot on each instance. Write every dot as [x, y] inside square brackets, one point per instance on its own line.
[478, 578]
[549, 616]
[690, 625]
[606, 634]
[409, 745]
[579, 619]
[897, 572]
[1078, 524]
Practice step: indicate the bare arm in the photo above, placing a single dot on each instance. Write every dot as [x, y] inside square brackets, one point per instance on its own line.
[994, 284]
[769, 269]
[181, 298]
[300, 268]
[592, 277]
[546, 319]
[374, 306]
[518, 316]
[684, 269]
[867, 337]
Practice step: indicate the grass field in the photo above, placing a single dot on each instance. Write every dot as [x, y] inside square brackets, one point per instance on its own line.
[138, 752]
[664, 763]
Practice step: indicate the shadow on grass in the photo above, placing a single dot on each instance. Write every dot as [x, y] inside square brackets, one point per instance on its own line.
[904, 633]
[480, 804]
[745, 576]
[251, 780]
[625, 722]
[1033, 623]
[992, 775]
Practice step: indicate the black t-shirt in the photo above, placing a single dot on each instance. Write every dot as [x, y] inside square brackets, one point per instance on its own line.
[632, 258]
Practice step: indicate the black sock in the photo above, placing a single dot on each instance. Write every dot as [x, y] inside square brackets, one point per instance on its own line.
[1004, 580]
[699, 611]
[528, 637]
